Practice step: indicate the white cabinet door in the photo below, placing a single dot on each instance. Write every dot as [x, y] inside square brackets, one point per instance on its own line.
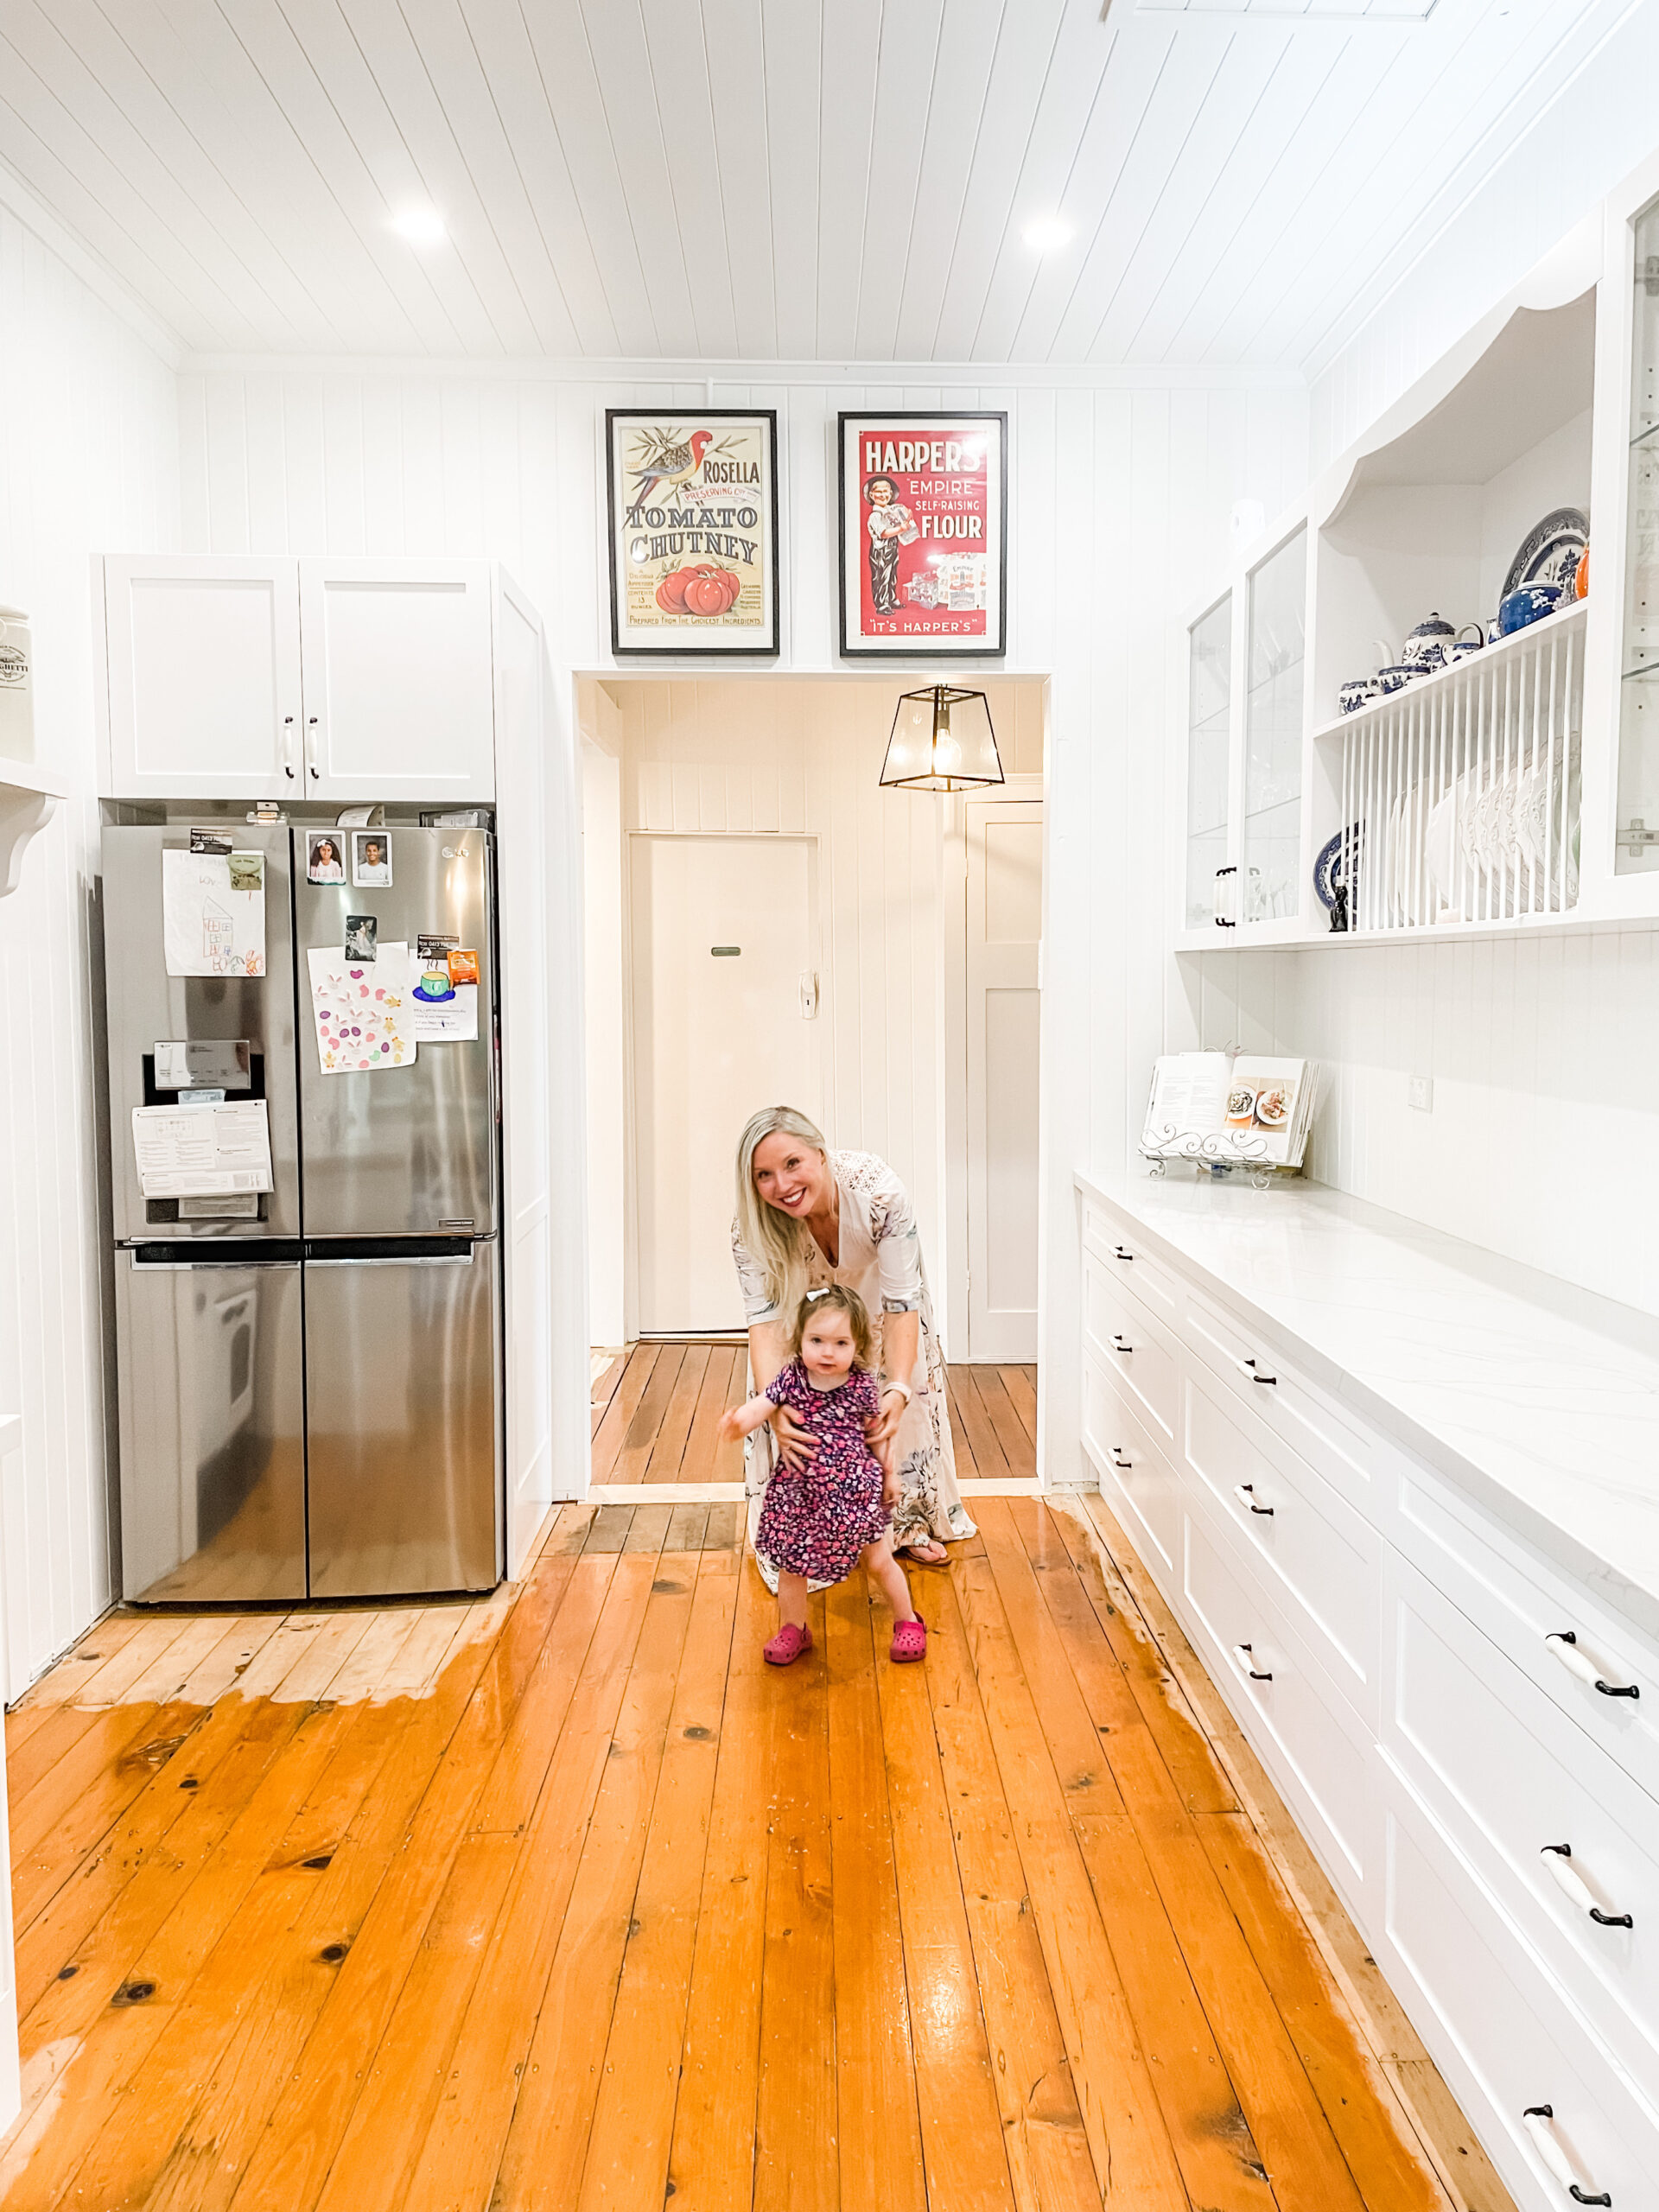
[399, 682]
[204, 678]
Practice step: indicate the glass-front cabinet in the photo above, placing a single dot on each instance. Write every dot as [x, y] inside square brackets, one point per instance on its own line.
[1209, 765]
[1275, 657]
[1637, 841]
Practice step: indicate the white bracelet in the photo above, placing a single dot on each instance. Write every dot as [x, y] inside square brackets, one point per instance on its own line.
[896, 1385]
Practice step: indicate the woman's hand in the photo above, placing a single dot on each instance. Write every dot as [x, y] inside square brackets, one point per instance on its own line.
[798, 1446]
[885, 1426]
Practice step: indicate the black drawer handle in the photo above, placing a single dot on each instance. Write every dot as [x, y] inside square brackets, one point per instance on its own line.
[1245, 1653]
[1118, 1253]
[1573, 1886]
[1119, 1458]
[1118, 1344]
[1245, 1492]
[1255, 1377]
[1564, 1642]
[1555, 2158]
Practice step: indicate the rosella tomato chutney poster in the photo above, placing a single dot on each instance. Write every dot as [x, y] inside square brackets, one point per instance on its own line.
[923, 563]
[694, 530]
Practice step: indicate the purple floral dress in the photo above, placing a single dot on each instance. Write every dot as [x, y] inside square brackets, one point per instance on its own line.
[816, 1521]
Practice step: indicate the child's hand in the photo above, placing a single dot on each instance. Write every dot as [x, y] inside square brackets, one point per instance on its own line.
[730, 1427]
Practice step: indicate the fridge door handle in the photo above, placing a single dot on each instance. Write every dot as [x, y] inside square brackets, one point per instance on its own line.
[202, 1267]
[417, 1259]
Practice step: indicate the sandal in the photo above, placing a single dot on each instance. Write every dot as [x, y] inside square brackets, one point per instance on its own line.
[786, 1647]
[909, 1640]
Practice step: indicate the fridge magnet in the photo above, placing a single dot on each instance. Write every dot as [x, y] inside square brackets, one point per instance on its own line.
[322, 862]
[360, 1011]
[371, 860]
[922, 533]
[209, 841]
[213, 913]
[444, 1005]
[361, 931]
[692, 520]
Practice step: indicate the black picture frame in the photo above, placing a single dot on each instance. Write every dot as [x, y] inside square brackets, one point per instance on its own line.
[676, 641]
[855, 644]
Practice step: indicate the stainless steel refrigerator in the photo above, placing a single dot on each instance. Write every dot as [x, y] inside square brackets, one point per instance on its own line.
[309, 1379]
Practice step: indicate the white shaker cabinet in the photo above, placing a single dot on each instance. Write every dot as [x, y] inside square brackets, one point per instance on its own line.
[399, 698]
[330, 679]
[203, 696]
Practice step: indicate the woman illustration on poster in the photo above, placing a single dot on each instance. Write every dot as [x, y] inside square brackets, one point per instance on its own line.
[890, 525]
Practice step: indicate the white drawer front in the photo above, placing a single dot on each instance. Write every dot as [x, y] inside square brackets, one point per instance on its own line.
[1527, 1779]
[1287, 1696]
[1134, 1473]
[1512, 2032]
[1525, 1611]
[1118, 1332]
[1343, 1453]
[1312, 1545]
[1124, 1254]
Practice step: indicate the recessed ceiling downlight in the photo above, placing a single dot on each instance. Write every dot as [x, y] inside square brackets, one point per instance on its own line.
[1048, 234]
[420, 225]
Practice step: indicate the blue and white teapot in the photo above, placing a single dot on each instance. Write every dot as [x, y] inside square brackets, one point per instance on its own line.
[1429, 645]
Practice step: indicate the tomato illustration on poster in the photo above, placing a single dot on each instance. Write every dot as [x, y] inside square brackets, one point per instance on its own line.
[924, 547]
[693, 527]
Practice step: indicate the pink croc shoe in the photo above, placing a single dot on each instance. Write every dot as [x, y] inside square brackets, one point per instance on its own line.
[788, 1645]
[909, 1640]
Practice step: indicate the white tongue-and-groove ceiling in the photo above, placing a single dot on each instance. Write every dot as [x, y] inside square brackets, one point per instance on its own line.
[722, 180]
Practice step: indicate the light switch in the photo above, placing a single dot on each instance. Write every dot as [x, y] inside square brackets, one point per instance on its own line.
[1419, 1093]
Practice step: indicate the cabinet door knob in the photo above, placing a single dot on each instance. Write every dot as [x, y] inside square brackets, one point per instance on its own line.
[1564, 1642]
[1537, 2119]
[1558, 1857]
[1247, 1492]
[1245, 1656]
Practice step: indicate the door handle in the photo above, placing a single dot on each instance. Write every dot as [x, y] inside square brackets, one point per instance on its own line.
[809, 995]
[418, 1260]
[311, 748]
[288, 746]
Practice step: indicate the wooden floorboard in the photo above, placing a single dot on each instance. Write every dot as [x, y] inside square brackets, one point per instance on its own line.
[656, 1410]
[599, 1911]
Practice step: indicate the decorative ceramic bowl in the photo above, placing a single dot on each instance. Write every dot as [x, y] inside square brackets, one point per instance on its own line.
[1359, 692]
[1395, 678]
[1527, 603]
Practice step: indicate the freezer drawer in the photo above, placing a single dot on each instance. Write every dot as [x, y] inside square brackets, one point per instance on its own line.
[213, 1415]
[405, 1470]
[408, 1151]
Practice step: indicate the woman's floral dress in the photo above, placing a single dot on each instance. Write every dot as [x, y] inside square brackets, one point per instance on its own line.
[880, 1258]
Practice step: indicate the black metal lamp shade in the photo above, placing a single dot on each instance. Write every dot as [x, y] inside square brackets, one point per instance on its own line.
[941, 741]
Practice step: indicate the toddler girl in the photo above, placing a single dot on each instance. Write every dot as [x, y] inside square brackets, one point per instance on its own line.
[820, 1520]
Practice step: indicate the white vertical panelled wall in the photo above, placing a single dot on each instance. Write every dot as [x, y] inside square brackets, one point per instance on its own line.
[88, 457]
[1121, 487]
[88, 431]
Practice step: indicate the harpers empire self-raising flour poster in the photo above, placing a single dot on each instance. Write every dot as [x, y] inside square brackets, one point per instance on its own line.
[693, 530]
[923, 555]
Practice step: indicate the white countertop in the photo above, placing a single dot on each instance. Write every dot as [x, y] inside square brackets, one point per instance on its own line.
[1540, 1400]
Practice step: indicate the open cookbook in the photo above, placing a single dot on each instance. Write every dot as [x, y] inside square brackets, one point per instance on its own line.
[1256, 1106]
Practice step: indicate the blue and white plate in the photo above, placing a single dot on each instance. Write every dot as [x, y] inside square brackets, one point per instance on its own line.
[1336, 867]
[1549, 551]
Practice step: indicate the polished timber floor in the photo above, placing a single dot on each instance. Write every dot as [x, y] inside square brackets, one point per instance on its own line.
[565, 1900]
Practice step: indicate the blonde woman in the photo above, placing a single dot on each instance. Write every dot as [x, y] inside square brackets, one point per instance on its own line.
[807, 1217]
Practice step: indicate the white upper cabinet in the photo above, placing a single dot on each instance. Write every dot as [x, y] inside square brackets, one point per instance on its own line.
[204, 678]
[399, 686]
[326, 679]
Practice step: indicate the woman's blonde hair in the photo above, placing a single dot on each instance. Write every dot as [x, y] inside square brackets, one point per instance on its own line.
[780, 1244]
[835, 1298]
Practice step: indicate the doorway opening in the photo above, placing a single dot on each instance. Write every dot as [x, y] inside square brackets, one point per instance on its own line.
[767, 926]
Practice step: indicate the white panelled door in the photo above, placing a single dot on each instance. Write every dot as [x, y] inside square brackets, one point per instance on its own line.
[725, 960]
[1004, 840]
[204, 678]
[399, 686]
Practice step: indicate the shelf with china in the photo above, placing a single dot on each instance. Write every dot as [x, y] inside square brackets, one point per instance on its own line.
[1503, 774]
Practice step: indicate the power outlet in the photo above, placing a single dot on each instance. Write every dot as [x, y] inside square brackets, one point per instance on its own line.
[1419, 1093]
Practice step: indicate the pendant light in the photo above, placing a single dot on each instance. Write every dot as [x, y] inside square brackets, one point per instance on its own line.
[941, 741]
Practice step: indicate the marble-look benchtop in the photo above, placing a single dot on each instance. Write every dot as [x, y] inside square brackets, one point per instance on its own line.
[1541, 1401]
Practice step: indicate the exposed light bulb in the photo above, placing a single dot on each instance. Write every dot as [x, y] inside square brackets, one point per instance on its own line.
[1048, 234]
[420, 225]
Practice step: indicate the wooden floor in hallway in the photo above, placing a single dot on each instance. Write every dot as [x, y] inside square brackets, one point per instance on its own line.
[567, 1901]
[655, 1407]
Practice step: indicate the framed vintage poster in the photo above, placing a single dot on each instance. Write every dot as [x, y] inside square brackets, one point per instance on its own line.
[923, 534]
[692, 520]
